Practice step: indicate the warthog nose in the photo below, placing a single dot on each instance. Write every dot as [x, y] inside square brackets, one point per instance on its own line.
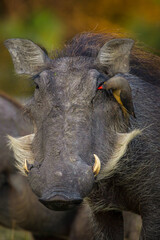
[60, 203]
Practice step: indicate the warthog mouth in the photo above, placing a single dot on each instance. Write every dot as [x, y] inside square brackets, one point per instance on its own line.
[60, 202]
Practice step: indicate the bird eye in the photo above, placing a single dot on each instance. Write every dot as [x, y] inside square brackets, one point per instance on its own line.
[101, 79]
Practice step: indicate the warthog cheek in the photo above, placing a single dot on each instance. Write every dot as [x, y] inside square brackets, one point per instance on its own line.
[22, 151]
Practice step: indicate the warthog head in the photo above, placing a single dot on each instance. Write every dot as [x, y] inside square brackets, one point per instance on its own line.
[80, 110]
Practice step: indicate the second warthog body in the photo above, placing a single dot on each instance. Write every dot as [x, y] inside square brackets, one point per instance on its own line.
[19, 207]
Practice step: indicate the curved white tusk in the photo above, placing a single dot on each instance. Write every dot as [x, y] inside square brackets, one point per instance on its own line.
[97, 165]
[25, 167]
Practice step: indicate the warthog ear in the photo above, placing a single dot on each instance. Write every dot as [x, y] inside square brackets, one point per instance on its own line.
[22, 151]
[113, 57]
[28, 58]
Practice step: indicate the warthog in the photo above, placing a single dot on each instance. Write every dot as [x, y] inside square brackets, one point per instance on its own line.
[96, 131]
[19, 207]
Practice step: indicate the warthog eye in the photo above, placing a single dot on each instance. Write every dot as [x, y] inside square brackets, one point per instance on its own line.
[34, 78]
[36, 85]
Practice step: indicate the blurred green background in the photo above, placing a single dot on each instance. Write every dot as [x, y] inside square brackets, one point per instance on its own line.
[51, 22]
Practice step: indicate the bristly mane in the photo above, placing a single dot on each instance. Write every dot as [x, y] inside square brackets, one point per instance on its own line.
[85, 44]
[143, 64]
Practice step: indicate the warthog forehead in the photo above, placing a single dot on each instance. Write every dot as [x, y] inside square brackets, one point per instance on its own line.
[69, 63]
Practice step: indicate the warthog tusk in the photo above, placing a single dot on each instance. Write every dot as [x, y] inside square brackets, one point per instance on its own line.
[97, 165]
[25, 167]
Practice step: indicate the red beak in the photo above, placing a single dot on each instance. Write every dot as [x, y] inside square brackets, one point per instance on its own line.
[101, 87]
